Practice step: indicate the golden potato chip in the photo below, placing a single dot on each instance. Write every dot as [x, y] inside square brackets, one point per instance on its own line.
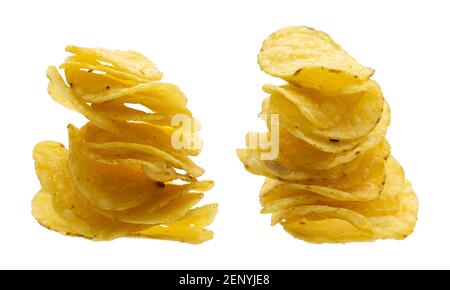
[102, 69]
[276, 195]
[140, 133]
[130, 150]
[189, 229]
[43, 212]
[150, 92]
[344, 118]
[129, 61]
[166, 204]
[289, 119]
[395, 179]
[287, 167]
[397, 224]
[293, 122]
[276, 170]
[313, 158]
[52, 161]
[87, 83]
[62, 94]
[105, 185]
[311, 59]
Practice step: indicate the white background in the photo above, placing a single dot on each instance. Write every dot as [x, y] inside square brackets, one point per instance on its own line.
[209, 49]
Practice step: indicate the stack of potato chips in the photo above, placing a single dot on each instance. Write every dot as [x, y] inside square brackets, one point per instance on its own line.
[122, 174]
[334, 179]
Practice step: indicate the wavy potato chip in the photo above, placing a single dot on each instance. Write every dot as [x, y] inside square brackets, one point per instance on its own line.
[311, 59]
[62, 94]
[102, 69]
[276, 195]
[109, 186]
[129, 61]
[397, 223]
[292, 121]
[43, 212]
[89, 83]
[290, 167]
[344, 118]
[297, 125]
[189, 229]
[52, 168]
[166, 204]
[313, 158]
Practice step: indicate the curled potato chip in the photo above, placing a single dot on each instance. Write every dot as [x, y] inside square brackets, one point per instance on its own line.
[61, 93]
[291, 147]
[276, 195]
[288, 168]
[125, 150]
[345, 118]
[104, 184]
[189, 229]
[274, 169]
[395, 179]
[332, 178]
[397, 223]
[52, 168]
[129, 61]
[153, 92]
[101, 69]
[122, 113]
[87, 83]
[311, 59]
[293, 122]
[363, 184]
[139, 133]
[121, 175]
[166, 205]
[43, 212]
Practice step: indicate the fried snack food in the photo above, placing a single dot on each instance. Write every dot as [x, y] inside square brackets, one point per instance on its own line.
[121, 176]
[334, 179]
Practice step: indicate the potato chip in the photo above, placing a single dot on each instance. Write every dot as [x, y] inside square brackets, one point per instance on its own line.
[52, 161]
[274, 169]
[136, 132]
[332, 178]
[344, 118]
[311, 59]
[291, 120]
[130, 150]
[43, 212]
[166, 204]
[129, 61]
[328, 228]
[89, 83]
[62, 94]
[189, 229]
[122, 175]
[276, 195]
[102, 69]
[313, 158]
[287, 167]
[105, 185]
